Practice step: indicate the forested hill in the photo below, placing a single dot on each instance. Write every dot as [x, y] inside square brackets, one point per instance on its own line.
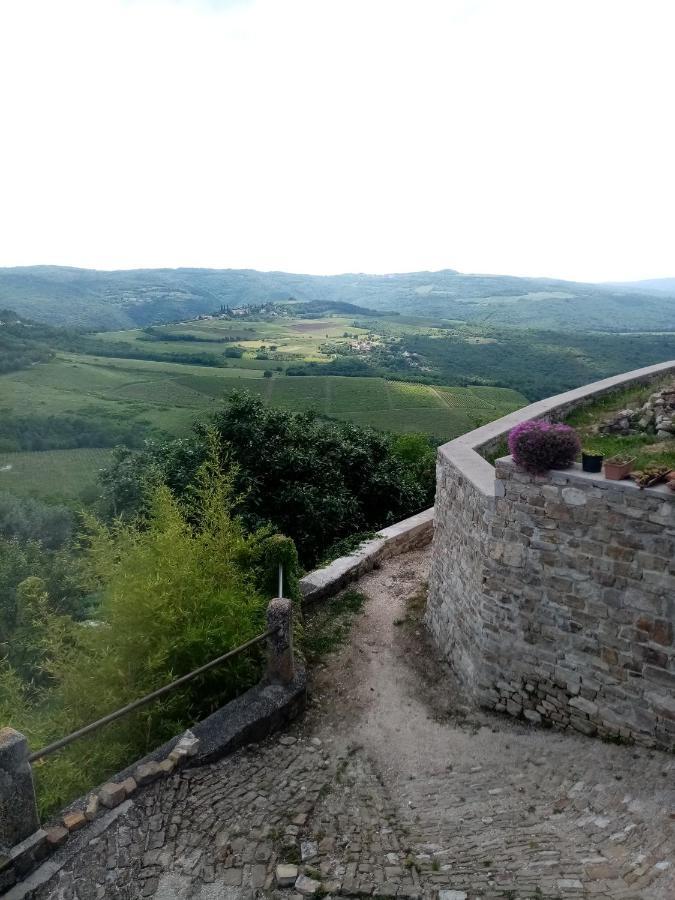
[125, 299]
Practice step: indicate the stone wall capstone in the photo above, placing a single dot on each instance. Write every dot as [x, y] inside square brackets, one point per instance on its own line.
[553, 597]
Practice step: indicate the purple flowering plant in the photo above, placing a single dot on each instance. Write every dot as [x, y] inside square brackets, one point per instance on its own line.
[538, 446]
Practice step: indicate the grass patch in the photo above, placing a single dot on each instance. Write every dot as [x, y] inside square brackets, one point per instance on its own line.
[328, 627]
[646, 448]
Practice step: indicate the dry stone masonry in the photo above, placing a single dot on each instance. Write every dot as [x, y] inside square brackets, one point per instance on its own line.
[553, 598]
[655, 416]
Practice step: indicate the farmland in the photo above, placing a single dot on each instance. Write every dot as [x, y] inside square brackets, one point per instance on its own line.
[54, 474]
[162, 397]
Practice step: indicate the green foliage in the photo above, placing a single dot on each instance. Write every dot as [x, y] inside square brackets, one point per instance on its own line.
[58, 476]
[537, 363]
[646, 448]
[313, 480]
[418, 452]
[174, 592]
[60, 571]
[27, 519]
[65, 431]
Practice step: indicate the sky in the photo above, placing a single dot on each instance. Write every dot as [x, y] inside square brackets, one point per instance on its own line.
[528, 137]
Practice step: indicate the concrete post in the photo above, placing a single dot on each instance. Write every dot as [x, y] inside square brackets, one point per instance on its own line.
[280, 666]
[18, 809]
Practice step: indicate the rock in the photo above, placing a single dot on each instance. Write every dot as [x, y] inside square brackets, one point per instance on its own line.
[308, 850]
[56, 836]
[286, 740]
[574, 496]
[188, 743]
[146, 772]
[307, 886]
[167, 766]
[112, 794]
[129, 786]
[178, 756]
[74, 820]
[92, 807]
[584, 705]
[286, 875]
[452, 895]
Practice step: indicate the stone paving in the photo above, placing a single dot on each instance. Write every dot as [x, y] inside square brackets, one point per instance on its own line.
[388, 787]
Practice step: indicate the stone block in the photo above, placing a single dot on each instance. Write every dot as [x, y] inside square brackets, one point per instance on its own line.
[286, 875]
[188, 744]
[74, 820]
[129, 785]
[92, 807]
[19, 819]
[147, 772]
[308, 887]
[56, 836]
[112, 794]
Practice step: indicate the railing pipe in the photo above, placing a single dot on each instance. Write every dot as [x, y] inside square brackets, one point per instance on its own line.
[143, 701]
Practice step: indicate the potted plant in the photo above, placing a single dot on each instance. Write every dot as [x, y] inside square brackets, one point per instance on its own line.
[618, 467]
[591, 460]
[538, 446]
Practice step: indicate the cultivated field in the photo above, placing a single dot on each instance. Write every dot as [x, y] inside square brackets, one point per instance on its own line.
[53, 474]
[167, 396]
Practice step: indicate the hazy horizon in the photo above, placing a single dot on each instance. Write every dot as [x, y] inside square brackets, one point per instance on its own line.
[331, 274]
[324, 137]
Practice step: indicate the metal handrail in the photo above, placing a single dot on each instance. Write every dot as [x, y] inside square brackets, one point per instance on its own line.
[65, 741]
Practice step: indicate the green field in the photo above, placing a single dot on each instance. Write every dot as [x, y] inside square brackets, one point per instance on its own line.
[54, 474]
[166, 397]
[169, 396]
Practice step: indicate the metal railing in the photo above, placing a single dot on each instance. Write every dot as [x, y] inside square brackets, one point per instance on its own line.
[143, 701]
[20, 819]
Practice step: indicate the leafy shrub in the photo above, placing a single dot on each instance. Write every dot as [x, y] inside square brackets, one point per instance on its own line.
[538, 446]
[28, 519]
[316, 481]
[175, 590]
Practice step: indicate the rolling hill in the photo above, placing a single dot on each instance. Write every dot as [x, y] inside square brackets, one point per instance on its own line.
[127, 299]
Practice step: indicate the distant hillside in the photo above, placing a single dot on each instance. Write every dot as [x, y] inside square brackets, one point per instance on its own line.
[126, 299]
[663, 285]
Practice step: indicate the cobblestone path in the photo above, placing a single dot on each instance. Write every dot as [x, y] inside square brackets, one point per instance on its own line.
[388, 788]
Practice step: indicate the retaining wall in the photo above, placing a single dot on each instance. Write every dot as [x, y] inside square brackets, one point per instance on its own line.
[552, 597]
[416, 531]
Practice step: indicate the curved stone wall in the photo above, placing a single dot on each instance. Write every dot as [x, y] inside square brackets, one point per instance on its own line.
[553, 597]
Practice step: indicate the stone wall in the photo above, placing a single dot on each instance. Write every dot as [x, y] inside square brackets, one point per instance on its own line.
[553, 597]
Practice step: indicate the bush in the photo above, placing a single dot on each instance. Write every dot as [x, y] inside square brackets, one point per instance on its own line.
[174, 591]
[313, 480]
[538, 446]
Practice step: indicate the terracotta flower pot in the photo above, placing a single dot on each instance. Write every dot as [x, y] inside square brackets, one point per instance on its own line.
[617, 471]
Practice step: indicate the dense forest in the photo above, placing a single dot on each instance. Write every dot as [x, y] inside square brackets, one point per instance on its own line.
[536, 363]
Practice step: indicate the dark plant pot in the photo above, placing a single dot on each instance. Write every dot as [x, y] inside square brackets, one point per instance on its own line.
[591, 462]
[617, 471]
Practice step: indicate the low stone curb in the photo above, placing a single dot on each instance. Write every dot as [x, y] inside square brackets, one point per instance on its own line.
[417, 531]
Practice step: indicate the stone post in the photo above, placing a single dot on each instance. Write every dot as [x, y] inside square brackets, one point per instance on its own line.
[18, 809]
[280, 666]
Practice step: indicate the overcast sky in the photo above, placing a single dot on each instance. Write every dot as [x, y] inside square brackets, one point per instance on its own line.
[529, 137]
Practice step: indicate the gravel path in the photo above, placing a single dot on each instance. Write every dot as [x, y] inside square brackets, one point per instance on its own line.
[388, 787]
